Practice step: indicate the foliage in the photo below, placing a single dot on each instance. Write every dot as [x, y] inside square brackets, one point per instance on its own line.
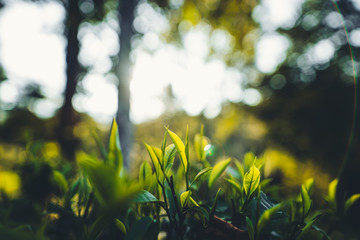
[176, 196]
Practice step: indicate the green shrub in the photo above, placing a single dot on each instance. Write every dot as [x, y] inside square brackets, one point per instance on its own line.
[176, 196]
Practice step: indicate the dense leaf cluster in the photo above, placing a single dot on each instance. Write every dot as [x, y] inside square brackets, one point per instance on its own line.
[173, 197]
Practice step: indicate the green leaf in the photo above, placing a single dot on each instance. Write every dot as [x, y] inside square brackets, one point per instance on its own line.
[187, 148]
[332, 190]
[351, 201]
[250, 228]
[200, 141]
[145, 197]
[266, 216]
[251, 181]
[103, 178]
[259, 162]
[180, 147]
[218, 169]
[193, 202]
[184, 197]
[249, 159]
[240, 169]
[169, 156]
[306, 201]
[306, 229]
[100, 145]
[213, 207]
[234, 184]
[60, 181]
[120, 225]
[145, 173]
[96, 228]
[139, 230]
[155, 161]
[115, 156]
[202, 172]
[309, 184]
[201, 211]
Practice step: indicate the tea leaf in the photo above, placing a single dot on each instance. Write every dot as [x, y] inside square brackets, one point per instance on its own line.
[187, 148]
[155, 162]
[306, 229]
[139, 229]
[199, 144]
[309, 184]
[250, 228]
[249, 159]
[213, 208]
[351, 201]
[251, 181]
[180, 147]
[193, 202]
[169, 156]
[266, 216]
[120, 225]
[202, 172]
[145, 197]
[145, 173]
[218, 169]
[234, 184]
[115, 156]
[306, 201]
[240, 169]
[201, 211]
[184, 197]
[332, 189]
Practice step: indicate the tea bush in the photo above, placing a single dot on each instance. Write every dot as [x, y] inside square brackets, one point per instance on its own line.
[175, 196]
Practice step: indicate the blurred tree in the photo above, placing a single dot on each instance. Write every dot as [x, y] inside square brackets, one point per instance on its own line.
[311, 105]
[126, 13]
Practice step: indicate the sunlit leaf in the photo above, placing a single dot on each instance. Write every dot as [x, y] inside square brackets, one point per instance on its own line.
[200, 173]
[169, 156]
[309, 184]
[349, 202]
[306, 201]
[184, 197]
[155, 162]
[200, 141]
[145, 173]
[193, 202]
[218, 169]
[240, 169]
[234, 184]
[249, 159]
[187, 148]
[115, 156]
[103, 178]
[332, 189]
[60, 181]
[159, 155]
[259, 162]
[266, 216]
[120, 225]
[180, 147]
[250, 228]
[251, 181]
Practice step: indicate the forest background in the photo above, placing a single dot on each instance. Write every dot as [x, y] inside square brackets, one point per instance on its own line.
[276, 79]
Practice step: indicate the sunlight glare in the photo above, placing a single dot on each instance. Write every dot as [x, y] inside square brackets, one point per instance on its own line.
[271, 51]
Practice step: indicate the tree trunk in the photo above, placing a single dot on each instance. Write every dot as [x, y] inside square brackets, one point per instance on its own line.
[126, 17]
[67, 117]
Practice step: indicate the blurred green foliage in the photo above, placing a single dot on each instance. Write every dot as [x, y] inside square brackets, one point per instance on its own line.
[179, 195]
